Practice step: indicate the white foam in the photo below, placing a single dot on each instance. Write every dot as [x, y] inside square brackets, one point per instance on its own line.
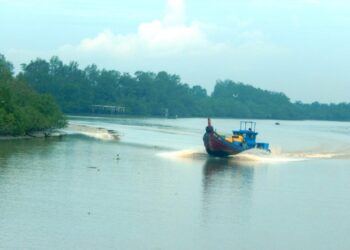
[97, 133]
[254, 156]
[183, 154]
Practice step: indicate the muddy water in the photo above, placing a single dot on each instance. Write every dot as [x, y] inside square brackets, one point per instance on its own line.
[154, 187]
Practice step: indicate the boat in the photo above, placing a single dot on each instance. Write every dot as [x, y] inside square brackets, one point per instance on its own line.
[241, 140]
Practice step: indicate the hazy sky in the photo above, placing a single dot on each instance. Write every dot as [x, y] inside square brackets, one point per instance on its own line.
[299, 47]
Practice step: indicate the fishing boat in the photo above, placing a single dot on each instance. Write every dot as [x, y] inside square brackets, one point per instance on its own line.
[240, 140]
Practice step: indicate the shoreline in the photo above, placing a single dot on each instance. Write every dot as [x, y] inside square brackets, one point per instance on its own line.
[101, 115]
[33, 135]
[90, 131]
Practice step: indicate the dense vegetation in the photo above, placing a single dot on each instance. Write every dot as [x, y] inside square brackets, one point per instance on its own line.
[21, 109]
[155, 94]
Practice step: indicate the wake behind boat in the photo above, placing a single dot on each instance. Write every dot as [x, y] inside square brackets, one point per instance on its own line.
[241, 140]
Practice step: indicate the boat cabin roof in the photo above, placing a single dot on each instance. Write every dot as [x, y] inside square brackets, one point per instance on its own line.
[246, 127]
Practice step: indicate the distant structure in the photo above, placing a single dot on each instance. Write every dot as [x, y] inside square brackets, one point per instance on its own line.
[107, 109]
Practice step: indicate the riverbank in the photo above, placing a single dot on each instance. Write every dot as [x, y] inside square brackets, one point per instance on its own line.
[96, 132]
[33, 135]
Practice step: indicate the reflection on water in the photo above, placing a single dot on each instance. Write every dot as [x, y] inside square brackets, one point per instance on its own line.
[12, 149]
[227, 187]
[216, 170]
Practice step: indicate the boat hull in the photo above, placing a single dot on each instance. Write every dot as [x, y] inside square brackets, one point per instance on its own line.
[217, 146]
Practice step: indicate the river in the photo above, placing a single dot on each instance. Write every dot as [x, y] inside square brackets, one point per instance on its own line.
[156, 188]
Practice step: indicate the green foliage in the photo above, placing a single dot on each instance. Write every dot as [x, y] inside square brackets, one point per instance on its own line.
[6, 69]
[155, 94]
[21, 109]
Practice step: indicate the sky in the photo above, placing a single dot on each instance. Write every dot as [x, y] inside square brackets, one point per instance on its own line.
[298, 47]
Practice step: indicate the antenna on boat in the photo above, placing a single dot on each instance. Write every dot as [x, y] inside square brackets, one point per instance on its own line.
[209, 122]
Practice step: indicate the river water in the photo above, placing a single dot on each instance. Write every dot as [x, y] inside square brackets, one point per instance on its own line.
[155, 188]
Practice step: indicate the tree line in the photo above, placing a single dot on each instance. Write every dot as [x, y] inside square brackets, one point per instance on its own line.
[157, 94]
[22, 110]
